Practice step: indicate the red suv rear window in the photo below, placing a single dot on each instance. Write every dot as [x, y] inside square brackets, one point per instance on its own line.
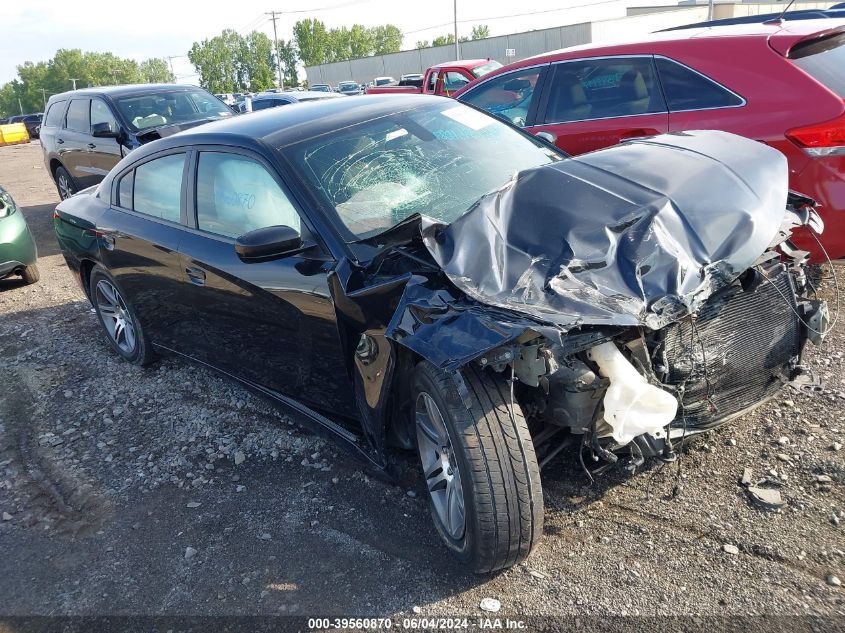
[823, 59]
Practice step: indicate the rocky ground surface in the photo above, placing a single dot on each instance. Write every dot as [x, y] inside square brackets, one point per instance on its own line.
[169, 490]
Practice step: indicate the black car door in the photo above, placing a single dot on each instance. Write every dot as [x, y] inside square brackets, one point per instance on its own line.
[141, 233]
[72, 142]
[268, 322]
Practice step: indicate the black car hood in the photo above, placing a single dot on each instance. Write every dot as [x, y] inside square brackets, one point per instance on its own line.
[638, 234]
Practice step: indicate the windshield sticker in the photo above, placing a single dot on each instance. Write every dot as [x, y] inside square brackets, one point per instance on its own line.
[468, 117]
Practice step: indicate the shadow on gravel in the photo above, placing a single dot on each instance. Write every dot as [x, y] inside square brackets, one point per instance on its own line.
[39, 218]
[88, 536]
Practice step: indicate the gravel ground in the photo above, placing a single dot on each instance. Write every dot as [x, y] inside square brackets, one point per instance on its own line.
[169, 490]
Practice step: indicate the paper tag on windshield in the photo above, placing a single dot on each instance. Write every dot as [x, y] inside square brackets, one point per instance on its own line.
[467, 116]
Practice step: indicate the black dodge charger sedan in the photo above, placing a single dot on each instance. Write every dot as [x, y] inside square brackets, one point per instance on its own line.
[408, 271]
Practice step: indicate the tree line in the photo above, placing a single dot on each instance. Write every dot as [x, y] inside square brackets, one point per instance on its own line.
[479, 32]
[228, 62]
[37, 81]
[231, 62]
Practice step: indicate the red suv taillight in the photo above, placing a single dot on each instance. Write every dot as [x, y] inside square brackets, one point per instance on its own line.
[821, 139]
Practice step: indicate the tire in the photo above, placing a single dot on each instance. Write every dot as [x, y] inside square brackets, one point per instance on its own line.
[65, 183]
[496, 468]
[30, 274]
[118, 319]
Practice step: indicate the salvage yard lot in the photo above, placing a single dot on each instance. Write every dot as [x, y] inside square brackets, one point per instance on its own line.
[169, 490]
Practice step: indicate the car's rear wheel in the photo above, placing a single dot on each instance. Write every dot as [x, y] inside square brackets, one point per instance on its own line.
[118, 319]
[65, 183]
[30, 274]
[479, 467]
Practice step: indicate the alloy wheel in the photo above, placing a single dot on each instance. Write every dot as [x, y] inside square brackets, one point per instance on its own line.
[65, 187]
[440, 466]
[115, 316]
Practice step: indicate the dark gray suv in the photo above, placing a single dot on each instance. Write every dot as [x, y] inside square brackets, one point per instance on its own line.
[86, 132]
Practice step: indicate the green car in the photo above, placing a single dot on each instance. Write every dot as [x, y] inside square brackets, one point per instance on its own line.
[17, 246]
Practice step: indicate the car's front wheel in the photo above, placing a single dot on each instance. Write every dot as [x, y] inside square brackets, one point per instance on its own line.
[118, 319]
[65, 183]
[479, 467]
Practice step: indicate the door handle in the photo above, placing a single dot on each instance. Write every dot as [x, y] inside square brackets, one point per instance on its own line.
[196, 275]
[60, 141]
[91, 146]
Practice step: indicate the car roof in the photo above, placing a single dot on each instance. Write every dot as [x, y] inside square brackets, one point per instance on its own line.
[786, 32]
[278, 127]
[124, 91]
[464, 63]
[781, 37]
[298, 95]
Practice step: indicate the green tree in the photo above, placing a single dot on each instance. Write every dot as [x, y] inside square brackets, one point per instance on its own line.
[219, 62]
[38, 80]
[386, 39]
[156, 71]
[422, 44]
[360, 41]
[256, 54]
[288, 56]
[480, 32]
[312, 41]
[443, 40]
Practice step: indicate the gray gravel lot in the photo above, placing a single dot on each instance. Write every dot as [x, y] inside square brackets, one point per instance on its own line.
[169, 490]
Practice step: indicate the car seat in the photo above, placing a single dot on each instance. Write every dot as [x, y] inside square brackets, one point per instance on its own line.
[568, 100]
[634, 92]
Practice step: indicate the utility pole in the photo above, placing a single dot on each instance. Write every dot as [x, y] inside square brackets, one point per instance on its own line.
[44, 97]
[273, 17]
[709, 10]
[20, 105]
[74, 82]
[457, 44]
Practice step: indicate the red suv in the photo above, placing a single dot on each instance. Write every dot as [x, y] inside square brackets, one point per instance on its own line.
[779, 83]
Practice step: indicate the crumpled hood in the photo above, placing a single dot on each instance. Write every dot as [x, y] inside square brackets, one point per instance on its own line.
[638, 234]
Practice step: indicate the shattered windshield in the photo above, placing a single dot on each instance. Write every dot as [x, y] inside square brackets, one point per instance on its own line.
[435, 160]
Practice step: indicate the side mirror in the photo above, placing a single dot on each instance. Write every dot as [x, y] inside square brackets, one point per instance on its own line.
[271, 242]
[103, 130]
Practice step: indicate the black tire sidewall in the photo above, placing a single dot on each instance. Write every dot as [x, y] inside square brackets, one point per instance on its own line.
[423, 382]
[100, 273]
[61, 169]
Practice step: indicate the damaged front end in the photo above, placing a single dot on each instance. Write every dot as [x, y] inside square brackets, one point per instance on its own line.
[631, 296]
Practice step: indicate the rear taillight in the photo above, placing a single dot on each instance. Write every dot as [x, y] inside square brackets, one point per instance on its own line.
[56, 215]
[821, 139]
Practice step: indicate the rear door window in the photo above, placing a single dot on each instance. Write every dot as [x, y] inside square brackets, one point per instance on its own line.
[602, 89]
[78, 118]
[158, 187]
[687, 89]
[824, 60]
[54, 114]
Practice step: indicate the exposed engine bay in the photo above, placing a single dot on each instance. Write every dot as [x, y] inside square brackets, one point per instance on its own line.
[627, 303]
